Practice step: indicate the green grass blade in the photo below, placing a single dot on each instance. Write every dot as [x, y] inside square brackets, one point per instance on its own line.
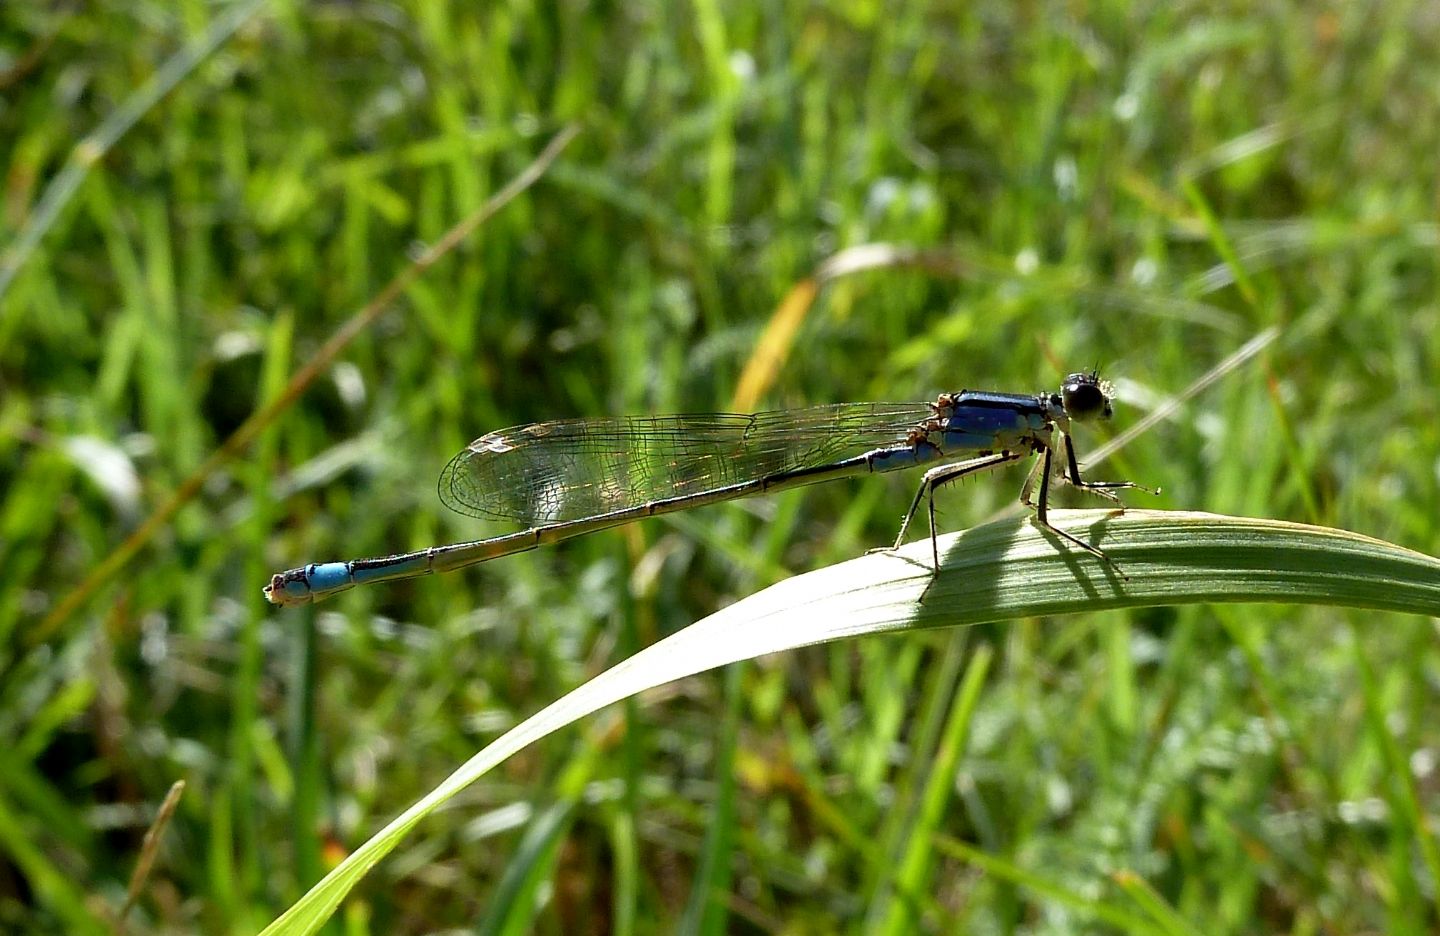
[91, 150]
[517, 898]
[1155, 907]
[1407, 801]
[1000, 571]
[1012, 569]
[1001, 869]
[912, 875]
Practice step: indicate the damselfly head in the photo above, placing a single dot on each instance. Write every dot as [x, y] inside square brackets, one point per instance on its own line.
[1086, 397]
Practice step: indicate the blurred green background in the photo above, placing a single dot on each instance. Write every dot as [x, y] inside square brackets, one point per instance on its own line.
[1140, 186]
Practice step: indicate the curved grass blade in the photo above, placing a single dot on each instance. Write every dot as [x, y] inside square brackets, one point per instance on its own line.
[1000, 571]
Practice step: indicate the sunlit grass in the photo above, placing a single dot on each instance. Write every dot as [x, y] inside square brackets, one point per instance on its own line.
[1142, 188]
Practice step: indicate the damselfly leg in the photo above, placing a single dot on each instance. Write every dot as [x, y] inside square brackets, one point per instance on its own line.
[944, 474]
[1044, 469]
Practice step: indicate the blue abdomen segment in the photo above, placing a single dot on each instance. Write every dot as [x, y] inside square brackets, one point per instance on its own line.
[325, 576]
[322, 579]
[307, 583]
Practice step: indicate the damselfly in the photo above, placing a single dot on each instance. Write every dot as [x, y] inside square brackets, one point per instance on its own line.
[576, 476]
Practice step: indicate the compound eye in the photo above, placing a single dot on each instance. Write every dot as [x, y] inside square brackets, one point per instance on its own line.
[1085, 397]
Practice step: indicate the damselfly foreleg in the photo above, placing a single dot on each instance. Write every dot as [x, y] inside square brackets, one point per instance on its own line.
[1041, 505]
[1104, 489]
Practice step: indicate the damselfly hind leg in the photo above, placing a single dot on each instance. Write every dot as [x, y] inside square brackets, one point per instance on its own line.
[934, 478]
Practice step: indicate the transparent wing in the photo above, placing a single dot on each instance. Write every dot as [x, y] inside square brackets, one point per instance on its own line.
[575, 468]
